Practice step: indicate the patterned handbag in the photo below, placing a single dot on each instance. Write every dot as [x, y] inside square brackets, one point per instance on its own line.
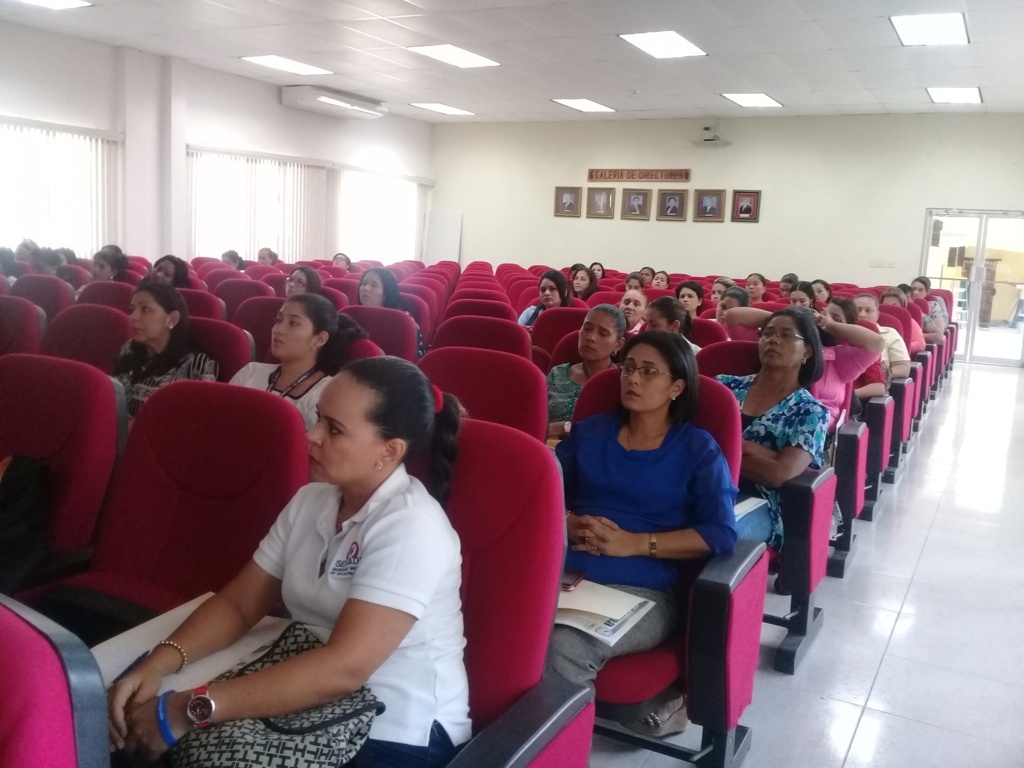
[326, 736]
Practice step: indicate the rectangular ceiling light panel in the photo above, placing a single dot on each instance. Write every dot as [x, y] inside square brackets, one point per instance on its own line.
[756, 100]
[955, 95]
[286, 65]
[583, 105]
[663, 45]
[451, 54]
[931, 29]
[444, 109]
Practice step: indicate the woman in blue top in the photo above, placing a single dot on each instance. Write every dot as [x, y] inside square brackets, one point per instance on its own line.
[644, 489]
[784, 427]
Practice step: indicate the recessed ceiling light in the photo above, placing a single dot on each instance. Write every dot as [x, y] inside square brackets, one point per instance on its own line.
[583, 105]
[287, 65]
[58, 5]
[444, 109]
[663, 45]
[752, 99]
[955, 95]
[931, 29]
[346, 105]
[451, 54]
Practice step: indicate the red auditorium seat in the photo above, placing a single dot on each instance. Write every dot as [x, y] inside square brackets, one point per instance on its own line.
[715, 654]
[130, 277]
[212, 466]
[347, 285]
[139, 264]
[276, 280]
[88, 333]
[202, 304]
[215, 277]
[361, 348]
[552, 324]
[605, 297]
[488, 294]
[76, 424]
[493, 386]
[484, 333]
[567, 350]
[705, 332]
[480, 308]
[209, 265]
[228, 345]
[390, 329]
[22, 324]
[421, 313]
[234, 292]
[46, 291]
[257, 316]
[259, 271]
[107, 293]
[47, 665]
[336, 297]
[74, 275]
[196, 283]
[429, 297]
[518, 718]
[733, 358]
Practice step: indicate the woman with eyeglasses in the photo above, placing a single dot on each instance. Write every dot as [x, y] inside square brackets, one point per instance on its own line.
[302, 280]
[635, 541]
[784, 427]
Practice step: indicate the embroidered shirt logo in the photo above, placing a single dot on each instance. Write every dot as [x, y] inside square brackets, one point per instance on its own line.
[347, 567]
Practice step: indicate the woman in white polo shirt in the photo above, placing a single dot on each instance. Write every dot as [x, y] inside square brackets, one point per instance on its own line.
[366, 557]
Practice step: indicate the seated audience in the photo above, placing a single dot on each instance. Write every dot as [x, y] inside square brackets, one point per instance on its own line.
[7, 265]
[45, 261]
[158, 352]
[267, 257]
[784, 427]
[25, 250]
[872, 382]
[895, 357]
[802, 294]
[919, 289]
[633, 306]
[341, 260]
[644, 489]
[302, 280]
[634, 282]
[731, 298]
[379, 288]
[786, 284]
[584, 283]
[667, 314]
[719, 287]
[554, 292]
[755, 286]
[394, 624]
[600, 339]
[109, 263]
[661, 280]
[170, 270]
[898, 298]
[647, 273]
[822, 291]
[232, 259]
[67, 257]
[598, 269]
[691, 296]
[307, 341]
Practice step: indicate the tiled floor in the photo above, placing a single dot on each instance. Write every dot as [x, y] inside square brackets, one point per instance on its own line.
[920, 661]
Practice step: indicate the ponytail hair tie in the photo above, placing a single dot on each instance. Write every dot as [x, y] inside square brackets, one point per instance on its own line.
[438, 399]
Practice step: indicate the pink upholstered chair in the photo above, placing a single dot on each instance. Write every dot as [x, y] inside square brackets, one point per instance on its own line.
[228, 345]
[108, 294]
[484, 333]
[88, 333]
[22, 325]
[49, 292]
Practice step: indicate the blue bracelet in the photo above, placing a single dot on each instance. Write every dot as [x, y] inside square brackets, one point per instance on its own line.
[161, 720]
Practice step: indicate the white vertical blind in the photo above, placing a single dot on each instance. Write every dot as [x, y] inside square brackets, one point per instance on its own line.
[246, 203]
[59, 188]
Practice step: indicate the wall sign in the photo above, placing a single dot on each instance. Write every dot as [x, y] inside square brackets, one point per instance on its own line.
[638, 174]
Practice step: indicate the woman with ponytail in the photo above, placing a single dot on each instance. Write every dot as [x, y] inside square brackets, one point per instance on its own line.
[366, 558]
[307, 341]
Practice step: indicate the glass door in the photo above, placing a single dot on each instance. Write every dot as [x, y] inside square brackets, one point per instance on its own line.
[979, 256]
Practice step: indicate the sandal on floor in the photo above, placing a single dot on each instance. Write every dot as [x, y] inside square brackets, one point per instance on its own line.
[668, 720]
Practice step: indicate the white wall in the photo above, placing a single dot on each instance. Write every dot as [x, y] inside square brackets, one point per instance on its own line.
[837, 192]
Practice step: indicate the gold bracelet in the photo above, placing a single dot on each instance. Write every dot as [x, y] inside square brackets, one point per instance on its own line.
[179, 649]
[652, 545]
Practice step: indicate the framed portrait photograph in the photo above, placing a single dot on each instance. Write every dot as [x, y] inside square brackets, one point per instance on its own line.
[746, 204]
[600, 202]
[709, 205]
[636, 204]
[671, 205]
[567, 201]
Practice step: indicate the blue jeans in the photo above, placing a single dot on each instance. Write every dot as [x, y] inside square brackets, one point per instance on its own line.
[756, 525]
[390, 754]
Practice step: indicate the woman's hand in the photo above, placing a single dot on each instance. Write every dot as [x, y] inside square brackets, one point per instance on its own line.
[137, 687]
[824, 321]
[600, 536]
[144, 736]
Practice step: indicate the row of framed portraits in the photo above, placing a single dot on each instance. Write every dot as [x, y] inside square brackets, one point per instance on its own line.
[667, 204]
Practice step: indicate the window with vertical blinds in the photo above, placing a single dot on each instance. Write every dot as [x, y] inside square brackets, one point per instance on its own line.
[60, 188]
[245, 203]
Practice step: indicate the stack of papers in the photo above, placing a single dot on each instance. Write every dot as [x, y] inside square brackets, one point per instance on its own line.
[602, 612]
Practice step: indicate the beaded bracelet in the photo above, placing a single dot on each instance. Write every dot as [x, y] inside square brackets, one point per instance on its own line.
[179, 649]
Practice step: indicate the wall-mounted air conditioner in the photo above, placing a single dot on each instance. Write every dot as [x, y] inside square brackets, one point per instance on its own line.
[331, 102]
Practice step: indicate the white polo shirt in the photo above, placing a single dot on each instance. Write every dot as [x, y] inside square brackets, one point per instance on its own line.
[399, 551]
[257, 376]
[895, 350]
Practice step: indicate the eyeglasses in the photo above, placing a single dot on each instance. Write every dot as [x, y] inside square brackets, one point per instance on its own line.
[647, 372]
[767, 334]
[295, 281]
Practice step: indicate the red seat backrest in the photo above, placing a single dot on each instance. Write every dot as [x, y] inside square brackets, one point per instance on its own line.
[484, 333]
[552, 324]
[73, 424]
[567, 350]
[705, 332]
[420, 312]
[390, 329]
[234, 292]
[22, 324]
[259, 271]
[605, 297]
[215, 277]
[488, 294]
[731, 358]
[347, 285]
[74, 275]
[493, 386]
[257, 316]
[49, 292]
[88, 333]
[108, 294]
[336, 297]
[226, 344]
[202, 304]
[275, 280]
[480, 308]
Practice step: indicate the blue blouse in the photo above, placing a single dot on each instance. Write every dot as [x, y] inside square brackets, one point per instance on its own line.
[798, 420]
[685, 483]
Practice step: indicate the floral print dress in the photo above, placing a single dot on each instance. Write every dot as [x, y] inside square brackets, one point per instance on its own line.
[563, 393]
[798, 420]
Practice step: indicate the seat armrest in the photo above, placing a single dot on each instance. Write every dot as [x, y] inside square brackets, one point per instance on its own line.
[878, 415]
[806, 519]
[724, 572]
[527, 727]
